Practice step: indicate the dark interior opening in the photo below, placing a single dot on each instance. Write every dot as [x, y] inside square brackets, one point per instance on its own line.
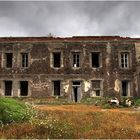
[124, 88]
[57, 59]
[56, 88]
[76, 83]
[8, 88]
[95, 60]
[23, 88]
[9, 57]
[75, 93]
[97, 92]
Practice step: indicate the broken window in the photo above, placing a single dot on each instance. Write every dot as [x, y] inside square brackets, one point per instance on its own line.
[24, 59]
[76, 60]
[8, 88]
[125, 88]
[56, 88]
[9, 60]
[95, 59]
[24, 88]
[124, 60]
[56, 59]
[96, 87]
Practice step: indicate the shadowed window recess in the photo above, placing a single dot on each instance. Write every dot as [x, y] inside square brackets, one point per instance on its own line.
[56, 88]
[56, 59]
[8, 88]
[95, 59]
[23, 88]
[9, 60]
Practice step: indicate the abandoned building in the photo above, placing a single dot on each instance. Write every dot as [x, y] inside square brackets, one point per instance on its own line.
[72, 67]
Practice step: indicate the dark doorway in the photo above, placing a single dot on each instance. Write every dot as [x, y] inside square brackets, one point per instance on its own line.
[23, 88]
[76, 90]
[56, 88]
[95, 59]
[56, 59]
[124, 88]
[75, 93]
[9, 60]
[8, 88]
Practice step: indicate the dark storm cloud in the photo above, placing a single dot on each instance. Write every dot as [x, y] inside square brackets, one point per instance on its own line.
[69, 18]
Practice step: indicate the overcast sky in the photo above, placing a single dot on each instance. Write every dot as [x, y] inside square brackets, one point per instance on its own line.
[69, 18]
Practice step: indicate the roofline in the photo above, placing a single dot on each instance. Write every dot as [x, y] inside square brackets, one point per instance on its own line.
[73, 38]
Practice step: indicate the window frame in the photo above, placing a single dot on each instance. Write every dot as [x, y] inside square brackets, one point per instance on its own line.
[97, 89]
[52, 59]
[100, 59]
[53, 63]
[5, 89]
[27, 63]
[129, 87]
[53, 88]
[128, 59]
[4, 60]
[72, 60]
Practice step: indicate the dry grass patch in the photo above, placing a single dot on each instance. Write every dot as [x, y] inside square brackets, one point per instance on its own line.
[75, 122]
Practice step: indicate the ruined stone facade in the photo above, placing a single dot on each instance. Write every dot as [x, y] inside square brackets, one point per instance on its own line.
[73, 67]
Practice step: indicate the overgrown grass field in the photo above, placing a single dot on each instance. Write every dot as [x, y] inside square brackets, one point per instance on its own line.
[74, 122]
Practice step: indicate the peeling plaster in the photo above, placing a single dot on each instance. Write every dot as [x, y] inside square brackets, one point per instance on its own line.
[66, 86]
[93, 94]
[136, 84]
[87, 86]
[117, 85]
[108, 73]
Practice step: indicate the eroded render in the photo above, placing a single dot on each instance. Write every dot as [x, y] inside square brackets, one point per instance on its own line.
[74, 67]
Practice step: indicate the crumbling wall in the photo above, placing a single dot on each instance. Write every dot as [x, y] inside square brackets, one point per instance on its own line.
[40, 73]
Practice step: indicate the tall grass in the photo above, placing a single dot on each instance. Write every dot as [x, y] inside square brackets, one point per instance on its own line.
[75, 125]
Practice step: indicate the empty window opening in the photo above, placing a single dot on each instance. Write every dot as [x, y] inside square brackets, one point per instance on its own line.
[9, 60]
[23, 88]
[76, 60]
[24, 59]
[57, 59]
[96, 88]
[125, 88]
[95, 59]
[8, 88]
[56, 88]
[124, 60]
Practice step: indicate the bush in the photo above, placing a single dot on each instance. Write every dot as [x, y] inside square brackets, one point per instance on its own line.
[137, 101]
[11, 110]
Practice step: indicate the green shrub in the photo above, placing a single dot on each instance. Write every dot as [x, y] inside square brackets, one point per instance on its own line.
[11, 110]
[137, 101]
